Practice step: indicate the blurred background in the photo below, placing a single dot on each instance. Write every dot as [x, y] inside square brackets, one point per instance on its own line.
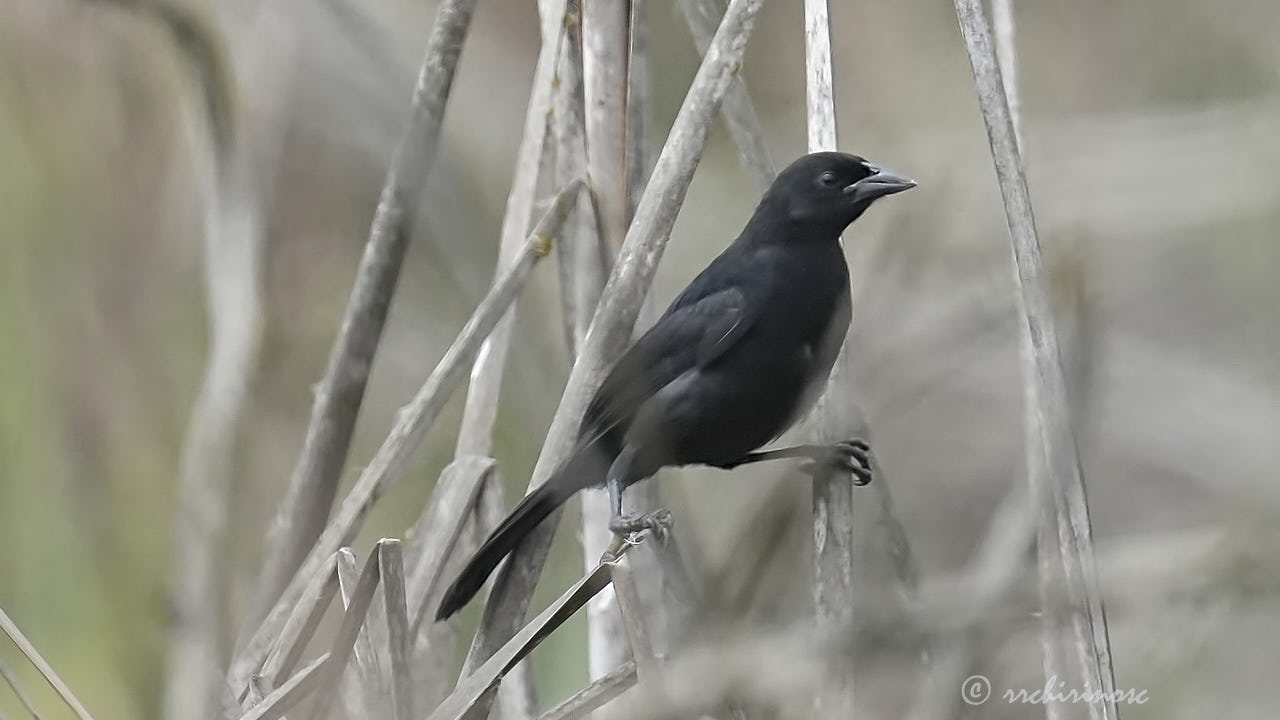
[1152, 135]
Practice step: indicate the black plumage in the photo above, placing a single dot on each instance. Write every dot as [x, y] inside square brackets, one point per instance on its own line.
[739, 355]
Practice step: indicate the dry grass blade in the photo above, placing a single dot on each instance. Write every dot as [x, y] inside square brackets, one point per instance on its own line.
[595, 695]
[33, 656]
[364, 692]
[293, 690]
[739, 112]
[358, 599]
[301, 625]
[437, 530]
[391, 566]
[619, 307]
[411, 423]
[476, 686]
[1047, 384]
[314, 481]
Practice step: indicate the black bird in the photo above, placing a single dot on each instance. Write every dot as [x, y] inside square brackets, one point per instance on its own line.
[738, 356]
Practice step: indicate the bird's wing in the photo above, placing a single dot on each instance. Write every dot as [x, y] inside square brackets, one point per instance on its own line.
[692, 334]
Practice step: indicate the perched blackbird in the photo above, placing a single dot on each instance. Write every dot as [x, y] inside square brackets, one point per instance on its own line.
[738, 356]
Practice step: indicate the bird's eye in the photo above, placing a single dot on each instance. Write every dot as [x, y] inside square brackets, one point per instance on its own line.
[828, 179]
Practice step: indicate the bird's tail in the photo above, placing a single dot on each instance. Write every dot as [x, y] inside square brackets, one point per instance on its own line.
[584, 469]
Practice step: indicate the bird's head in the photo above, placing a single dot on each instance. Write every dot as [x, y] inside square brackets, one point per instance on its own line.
[831, 189]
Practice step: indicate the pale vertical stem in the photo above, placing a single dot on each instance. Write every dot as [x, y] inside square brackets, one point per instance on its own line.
[819, 90]
[581, 266]
[605, 39]
[314, 482]
[605, 43]
[833, 534]
[615, 318]
[1060, 456]
[640, 151]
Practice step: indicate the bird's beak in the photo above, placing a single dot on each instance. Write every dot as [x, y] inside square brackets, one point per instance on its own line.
[881, 182]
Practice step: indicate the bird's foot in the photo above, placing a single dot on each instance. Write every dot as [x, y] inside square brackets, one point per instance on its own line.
[851, 456]
[657, 522]
[629, 530]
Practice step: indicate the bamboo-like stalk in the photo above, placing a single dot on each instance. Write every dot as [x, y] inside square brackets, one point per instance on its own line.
[1044, 376]
[581, 261]
[10, 629]
[412, 421]
[314, 481]
[606, 39]
[833, 528]
[615, 318]
[652, 562]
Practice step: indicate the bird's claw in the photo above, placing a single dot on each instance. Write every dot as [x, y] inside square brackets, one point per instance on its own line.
[658, 523]
[851, 456]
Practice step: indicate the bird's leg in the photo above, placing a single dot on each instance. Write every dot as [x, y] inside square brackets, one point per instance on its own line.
[623, 526]
[852, 456]
[658, 521]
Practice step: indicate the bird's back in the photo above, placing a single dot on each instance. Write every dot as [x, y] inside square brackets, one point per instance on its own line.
[734, 359]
